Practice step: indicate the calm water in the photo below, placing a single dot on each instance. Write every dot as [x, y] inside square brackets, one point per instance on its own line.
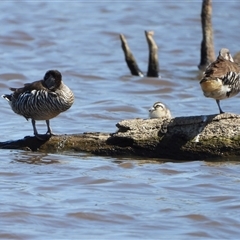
[77, 196]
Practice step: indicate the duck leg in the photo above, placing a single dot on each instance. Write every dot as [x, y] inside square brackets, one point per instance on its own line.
[42, 137]
[35, 132]
[49, 130]
[218, 103]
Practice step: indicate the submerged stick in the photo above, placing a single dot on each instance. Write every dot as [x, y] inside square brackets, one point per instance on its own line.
[129, 58]
[182, 138]
[207, 45]
[153, 64]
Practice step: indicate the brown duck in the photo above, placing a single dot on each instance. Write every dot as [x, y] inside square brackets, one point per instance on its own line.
[221, 78]
[41, 100]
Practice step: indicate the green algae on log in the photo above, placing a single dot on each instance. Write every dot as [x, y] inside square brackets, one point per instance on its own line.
[180, 138]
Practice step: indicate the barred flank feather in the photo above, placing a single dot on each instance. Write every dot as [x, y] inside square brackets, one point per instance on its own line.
[233, 80]
[41, 104]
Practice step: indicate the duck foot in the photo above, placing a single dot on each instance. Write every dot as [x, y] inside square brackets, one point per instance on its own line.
[27, 137]
[43, 137]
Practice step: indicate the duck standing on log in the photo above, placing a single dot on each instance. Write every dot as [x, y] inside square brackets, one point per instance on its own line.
[221, 78]
[41, 100]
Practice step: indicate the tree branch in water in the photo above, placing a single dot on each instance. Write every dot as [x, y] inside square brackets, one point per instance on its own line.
[207, 44]
[153, 64]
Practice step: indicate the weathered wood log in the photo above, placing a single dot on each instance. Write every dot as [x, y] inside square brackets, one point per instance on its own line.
[181, 138]
[207, 44]
[153, 64]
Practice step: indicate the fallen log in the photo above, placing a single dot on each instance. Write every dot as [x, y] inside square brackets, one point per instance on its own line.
[180, 138]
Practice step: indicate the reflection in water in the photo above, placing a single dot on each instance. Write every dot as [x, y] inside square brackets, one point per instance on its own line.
[145, 197]
[64, 196]
[35, 158]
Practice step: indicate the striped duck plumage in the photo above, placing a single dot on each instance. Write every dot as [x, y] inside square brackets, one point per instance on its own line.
[159, 110]
[41, 100]
[221, 78]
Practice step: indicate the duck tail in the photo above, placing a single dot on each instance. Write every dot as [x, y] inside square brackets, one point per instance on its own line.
[7, 97]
